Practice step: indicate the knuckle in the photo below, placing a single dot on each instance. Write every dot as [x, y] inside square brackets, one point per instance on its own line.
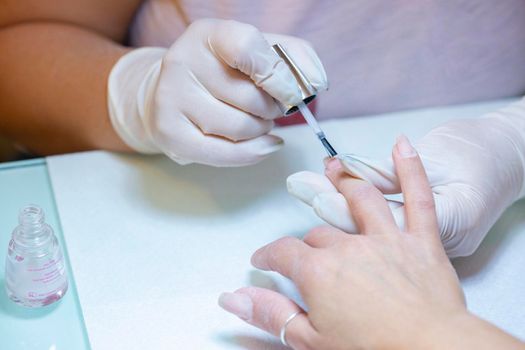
[316, 231]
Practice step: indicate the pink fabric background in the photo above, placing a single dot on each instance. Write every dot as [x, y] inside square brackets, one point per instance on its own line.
[380, 55]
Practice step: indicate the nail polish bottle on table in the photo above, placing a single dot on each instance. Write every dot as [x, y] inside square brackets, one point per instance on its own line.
[35, 271]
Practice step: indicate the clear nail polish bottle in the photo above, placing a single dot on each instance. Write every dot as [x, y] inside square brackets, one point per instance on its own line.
[35, 270]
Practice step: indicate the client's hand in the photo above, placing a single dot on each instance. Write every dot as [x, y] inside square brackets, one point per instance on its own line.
[385, 288]
[476, 168]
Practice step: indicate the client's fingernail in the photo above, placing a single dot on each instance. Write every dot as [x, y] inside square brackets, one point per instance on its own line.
[333, 164]
[404, 147]
[238, 304]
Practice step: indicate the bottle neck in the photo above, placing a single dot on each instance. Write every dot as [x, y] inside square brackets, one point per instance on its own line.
[32, 231]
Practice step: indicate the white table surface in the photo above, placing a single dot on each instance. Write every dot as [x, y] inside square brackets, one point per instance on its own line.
[152, 244]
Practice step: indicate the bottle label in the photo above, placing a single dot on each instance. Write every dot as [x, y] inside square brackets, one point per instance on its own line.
[45, 277]
[36, 279]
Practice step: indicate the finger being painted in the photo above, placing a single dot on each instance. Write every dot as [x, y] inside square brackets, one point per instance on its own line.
[367, 204]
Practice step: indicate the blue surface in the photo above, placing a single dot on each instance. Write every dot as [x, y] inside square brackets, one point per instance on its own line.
[57, 326]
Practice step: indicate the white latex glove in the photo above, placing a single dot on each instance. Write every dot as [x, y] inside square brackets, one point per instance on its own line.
[209, 98]
[476, 168]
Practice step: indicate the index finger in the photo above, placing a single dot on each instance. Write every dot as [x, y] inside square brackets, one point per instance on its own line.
[419, 205]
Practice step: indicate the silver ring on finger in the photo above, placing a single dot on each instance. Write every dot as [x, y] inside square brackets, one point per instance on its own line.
[283, 328]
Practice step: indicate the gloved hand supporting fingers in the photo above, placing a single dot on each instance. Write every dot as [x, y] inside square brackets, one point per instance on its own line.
[455, 245]
[306, 185]
[330, 207]
[333, 208]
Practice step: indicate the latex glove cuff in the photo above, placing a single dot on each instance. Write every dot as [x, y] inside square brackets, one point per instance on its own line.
[128, 91]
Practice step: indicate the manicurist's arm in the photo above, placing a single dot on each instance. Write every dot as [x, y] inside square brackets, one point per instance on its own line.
[56, 57]
[67, 84]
